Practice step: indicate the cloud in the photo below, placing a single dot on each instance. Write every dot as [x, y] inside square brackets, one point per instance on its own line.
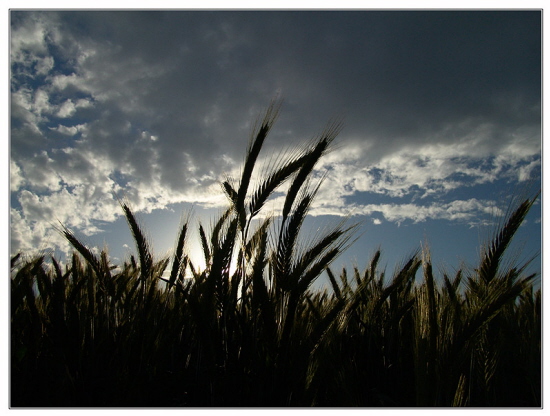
[525, 173]
[16, 178]
[69, 130]
[158, 107]
[461, 210]
[421, 172]
[28, 43]
[68, 108]
[40, 173]
[32, 237]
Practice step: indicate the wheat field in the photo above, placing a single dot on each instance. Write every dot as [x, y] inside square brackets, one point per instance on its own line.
[248, 330]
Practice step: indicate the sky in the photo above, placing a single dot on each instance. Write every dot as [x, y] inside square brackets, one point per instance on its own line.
[441, 113]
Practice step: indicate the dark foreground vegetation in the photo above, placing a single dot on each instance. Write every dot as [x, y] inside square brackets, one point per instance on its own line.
[163, 333]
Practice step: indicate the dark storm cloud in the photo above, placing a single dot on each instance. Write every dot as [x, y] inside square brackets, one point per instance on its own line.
[394, 74]
[163, 103]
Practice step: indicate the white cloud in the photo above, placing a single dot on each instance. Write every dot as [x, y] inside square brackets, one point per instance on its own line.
[431, 169]
[28, 40]
[34, 207]
[40, 172]
[22, 108]
[33, 225]
[67, 109]
[62, 82]
[44, 66]
[69, 131]
[16, 178]
[525, 172]
[463, 210]
[75, 187]
[32, 237]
